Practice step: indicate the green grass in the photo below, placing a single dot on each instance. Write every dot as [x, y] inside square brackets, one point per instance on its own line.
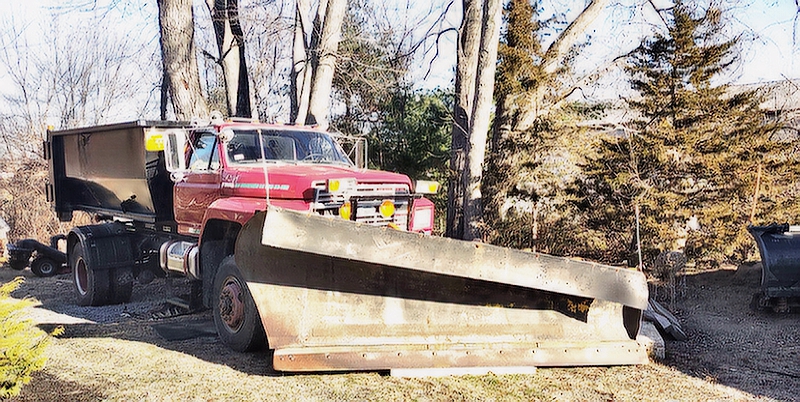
[117, 370]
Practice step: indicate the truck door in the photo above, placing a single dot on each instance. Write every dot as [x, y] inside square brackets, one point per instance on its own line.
[199, 185]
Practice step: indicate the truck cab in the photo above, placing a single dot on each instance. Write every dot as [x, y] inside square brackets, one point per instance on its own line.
[292, 167]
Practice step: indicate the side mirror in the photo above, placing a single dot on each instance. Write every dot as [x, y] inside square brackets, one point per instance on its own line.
[226, 135]
[175, 142]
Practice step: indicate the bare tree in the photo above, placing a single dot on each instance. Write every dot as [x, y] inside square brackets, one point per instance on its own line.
[77, 76]
[467, 53]
[231, 46]
[481, 120]
[73, 71]
[478, 41]
[320, 56]
[178, 53]
[467, 50]
[546, 97]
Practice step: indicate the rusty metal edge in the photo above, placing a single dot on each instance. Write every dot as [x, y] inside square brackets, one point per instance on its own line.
[551, 354]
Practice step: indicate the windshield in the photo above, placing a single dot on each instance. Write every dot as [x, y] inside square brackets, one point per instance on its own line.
[284, 145]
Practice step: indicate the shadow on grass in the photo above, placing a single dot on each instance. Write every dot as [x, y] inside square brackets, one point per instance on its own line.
[193, 335]
[45, 387]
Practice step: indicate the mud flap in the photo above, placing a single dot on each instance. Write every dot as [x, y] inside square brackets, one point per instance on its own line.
[337, 295]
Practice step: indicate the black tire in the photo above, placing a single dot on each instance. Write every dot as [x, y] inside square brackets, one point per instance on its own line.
[18, 265]
[45, 267]
[121, 285]
[235, 315]
[91, 286]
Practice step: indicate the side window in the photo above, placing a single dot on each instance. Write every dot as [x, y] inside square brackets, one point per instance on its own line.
[204, 155]
[321, 148]
[214, 158]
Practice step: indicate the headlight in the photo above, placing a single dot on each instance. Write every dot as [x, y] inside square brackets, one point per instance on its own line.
[426, 187]
[340, 185]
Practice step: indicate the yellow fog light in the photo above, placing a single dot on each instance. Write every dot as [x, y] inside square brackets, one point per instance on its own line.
[345, 211]
[386, 209]
[334, 185]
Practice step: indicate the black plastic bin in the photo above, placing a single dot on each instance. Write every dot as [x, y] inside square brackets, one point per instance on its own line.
[779, 246]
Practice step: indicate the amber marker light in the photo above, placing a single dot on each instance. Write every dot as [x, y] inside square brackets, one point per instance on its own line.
[154, 142]
[334, 185]
[343, 185]
[427, 187]
[386, 209]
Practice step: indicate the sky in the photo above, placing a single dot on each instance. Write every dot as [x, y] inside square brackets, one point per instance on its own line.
[774, 53]
[769, 51]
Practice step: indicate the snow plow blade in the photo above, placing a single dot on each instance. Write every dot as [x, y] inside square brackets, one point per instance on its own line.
[337, 295]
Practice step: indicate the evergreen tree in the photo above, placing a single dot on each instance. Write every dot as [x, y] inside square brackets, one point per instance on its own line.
[693, 153]
[533, 165]
[412, 136]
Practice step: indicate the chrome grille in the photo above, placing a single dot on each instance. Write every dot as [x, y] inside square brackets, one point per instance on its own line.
[365, 199]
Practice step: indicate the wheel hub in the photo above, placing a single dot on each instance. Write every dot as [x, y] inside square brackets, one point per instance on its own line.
[47, 268]
[81, 277]
[231, 307]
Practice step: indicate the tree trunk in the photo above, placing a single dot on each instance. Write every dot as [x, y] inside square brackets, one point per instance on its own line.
[301, 65]
[164, 94]
[466, 66]
[314, 63]
[176, 23]
[560, 47]
[324, 62]
[230, 44]
[481, 117]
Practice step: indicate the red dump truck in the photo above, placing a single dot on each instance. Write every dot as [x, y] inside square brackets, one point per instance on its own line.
[330, 264]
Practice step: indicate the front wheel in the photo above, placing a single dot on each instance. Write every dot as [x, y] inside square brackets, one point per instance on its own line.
[235, 314]
[92, 286]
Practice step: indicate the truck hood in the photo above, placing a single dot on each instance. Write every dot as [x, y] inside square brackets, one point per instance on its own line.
[296, 181]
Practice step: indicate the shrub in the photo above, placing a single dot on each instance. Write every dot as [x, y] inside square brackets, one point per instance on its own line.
[22, 344]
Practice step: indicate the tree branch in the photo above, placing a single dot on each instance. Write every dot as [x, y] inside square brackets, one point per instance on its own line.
[555, 54]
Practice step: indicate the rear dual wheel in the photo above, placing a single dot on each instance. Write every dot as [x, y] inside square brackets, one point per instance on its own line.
[235, 314]
[98, 287]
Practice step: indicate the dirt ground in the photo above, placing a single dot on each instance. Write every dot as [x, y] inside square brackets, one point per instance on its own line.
[116, 353]
[729, 343]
